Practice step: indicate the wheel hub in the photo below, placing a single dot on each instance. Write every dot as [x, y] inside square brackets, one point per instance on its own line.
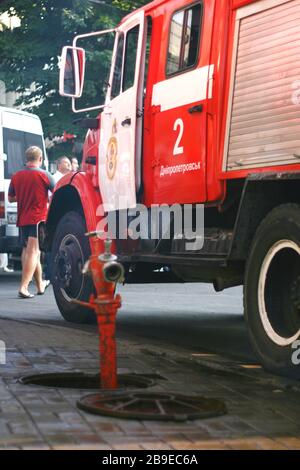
[64, 269]
[69, 263]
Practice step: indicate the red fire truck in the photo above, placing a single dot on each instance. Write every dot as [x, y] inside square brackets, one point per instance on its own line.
[202, 106]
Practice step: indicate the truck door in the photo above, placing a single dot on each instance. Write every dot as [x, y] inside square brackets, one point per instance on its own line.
[179, 103]
[120, 137]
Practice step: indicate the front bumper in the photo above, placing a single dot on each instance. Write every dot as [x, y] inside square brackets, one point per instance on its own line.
[10, 245]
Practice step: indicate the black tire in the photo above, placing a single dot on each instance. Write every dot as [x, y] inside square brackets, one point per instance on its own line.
[70, 250]
[272, 291]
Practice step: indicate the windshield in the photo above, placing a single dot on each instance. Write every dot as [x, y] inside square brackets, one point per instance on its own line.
[98, 54]
[15, 144]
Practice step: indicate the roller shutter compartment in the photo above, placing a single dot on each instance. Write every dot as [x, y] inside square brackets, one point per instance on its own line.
[263, 126]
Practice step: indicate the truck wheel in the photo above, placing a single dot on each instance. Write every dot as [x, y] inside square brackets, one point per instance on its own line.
[272, 291]
[70, 250]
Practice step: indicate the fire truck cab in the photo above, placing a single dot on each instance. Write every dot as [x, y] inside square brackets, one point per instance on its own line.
[201, 107]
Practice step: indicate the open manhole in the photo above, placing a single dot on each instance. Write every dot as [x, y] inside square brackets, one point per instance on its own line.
[152, 406]
[82, 381]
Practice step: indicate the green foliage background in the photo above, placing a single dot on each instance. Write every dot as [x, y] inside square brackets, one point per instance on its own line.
[29, 54]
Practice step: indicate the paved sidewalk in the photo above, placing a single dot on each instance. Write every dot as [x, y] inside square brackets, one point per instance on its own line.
[263, 410]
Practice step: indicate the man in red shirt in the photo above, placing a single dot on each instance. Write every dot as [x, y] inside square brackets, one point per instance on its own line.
[29, 188]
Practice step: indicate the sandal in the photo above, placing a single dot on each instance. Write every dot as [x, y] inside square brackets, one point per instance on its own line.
[25, 296]
[47, 284]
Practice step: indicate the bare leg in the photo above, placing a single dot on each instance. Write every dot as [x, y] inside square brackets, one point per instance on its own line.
[38, 276]
[23, 256]
[30, 259]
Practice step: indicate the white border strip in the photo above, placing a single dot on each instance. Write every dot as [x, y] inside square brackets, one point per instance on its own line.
[187, 88]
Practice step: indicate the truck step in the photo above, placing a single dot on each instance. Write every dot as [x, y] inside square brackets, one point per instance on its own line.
[216, 242]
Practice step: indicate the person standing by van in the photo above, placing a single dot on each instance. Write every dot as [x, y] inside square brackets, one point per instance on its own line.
[63, 168]
[75, 164]
[29, 188]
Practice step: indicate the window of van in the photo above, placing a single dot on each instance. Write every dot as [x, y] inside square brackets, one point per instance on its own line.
[15, 144]
[184, 39]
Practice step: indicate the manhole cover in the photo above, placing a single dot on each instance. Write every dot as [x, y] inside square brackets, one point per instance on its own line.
[152, 406]
[84, 381]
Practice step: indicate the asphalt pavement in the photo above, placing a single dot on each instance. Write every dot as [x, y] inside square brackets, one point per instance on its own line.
[191, 316]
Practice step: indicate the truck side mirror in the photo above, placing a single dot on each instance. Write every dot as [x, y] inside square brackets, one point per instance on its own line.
[72, 71]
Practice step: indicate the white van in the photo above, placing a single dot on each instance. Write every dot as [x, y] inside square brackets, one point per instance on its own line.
[18, 131]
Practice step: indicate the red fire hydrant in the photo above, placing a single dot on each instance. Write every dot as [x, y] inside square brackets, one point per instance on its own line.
[106, 272]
